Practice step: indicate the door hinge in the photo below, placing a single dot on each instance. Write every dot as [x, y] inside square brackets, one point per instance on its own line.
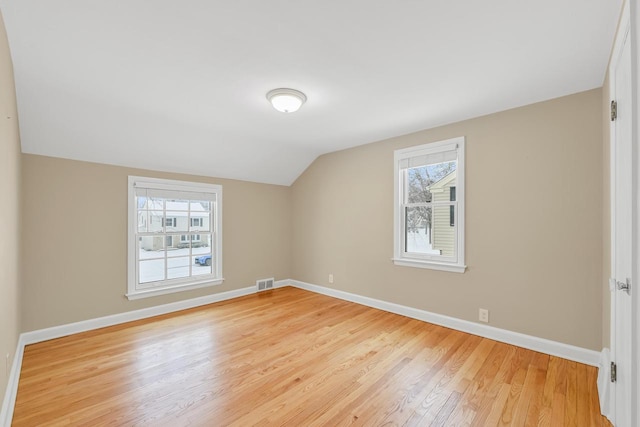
[614, 110]
[614, 374]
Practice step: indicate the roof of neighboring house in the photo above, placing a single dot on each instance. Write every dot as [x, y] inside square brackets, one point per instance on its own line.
[444, 180]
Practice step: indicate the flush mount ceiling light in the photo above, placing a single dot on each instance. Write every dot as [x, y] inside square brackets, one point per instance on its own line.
[286, 100]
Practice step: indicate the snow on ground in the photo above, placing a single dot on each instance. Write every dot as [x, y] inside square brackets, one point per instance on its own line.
[178, 263]
[174, 252]
[418, 242]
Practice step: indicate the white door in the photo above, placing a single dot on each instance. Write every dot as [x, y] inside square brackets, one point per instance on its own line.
[621, 230]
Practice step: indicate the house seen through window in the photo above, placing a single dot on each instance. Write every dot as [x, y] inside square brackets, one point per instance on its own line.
[429, 206]
[174, 236]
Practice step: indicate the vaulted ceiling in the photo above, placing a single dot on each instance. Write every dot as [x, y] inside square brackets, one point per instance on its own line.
[180, 85]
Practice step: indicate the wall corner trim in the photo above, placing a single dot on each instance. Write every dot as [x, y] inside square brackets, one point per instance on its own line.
[6, 413]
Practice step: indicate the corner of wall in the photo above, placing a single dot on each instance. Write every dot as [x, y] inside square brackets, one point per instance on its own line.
[9, 215]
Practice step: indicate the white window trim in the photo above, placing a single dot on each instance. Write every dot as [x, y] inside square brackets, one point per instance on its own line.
[172, 287]
[399, 256]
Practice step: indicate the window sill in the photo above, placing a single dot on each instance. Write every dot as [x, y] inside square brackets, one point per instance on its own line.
[146, 293]
[454, 268]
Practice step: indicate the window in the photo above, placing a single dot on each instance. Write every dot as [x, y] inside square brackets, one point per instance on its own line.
[170, 222]
[166, 253]
[429, 206]
[452, 210]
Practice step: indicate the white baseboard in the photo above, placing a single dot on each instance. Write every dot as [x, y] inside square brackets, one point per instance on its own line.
[9, 401]
[554, 348]
[129, 316]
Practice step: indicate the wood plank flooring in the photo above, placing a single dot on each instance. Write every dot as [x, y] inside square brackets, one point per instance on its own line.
[294, 358]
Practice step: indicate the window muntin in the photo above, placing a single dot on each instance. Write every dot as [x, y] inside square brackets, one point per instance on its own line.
[175, 236]
[429, 183]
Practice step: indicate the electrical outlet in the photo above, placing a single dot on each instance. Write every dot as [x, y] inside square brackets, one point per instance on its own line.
[330, 278]
[483, 315]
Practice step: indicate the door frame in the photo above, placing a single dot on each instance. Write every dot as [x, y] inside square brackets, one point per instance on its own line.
[628, 27]
[635, 290]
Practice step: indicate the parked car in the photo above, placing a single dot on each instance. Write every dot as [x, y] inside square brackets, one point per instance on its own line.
[203, 260]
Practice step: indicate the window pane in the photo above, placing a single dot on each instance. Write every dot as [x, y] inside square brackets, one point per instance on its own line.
[418, 186]
[151, 247]
[172, 241]
[200, 205]
[155, 221]
[200, 221]
[180, 246]
[155, 204]
[452, 215]
[176, 221]
[177, 205]
[143, 220]
[444, 232]
[418, 233]
[177, 267]
[200, 241]
[151, 271]
[425, 181]
[202, 264]
[201, 244]
[200, 215]
[182, 241]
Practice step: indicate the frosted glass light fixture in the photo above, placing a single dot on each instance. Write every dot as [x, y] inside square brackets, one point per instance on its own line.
[286, 100]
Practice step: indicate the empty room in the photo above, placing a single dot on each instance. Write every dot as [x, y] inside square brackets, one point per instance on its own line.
[411, 213]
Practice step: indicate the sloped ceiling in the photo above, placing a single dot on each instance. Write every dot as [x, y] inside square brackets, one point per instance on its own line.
[180, 85]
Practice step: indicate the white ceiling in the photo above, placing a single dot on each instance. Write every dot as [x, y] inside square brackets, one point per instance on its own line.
[180, 85]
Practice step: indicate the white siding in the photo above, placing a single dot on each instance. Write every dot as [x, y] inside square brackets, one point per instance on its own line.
[443, 233]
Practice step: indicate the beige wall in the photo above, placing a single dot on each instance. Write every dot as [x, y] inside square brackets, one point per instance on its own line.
[9, 211]
[74, 257]
[536, 265]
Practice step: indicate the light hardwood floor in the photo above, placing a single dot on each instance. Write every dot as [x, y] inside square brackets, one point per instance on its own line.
[292, 357]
